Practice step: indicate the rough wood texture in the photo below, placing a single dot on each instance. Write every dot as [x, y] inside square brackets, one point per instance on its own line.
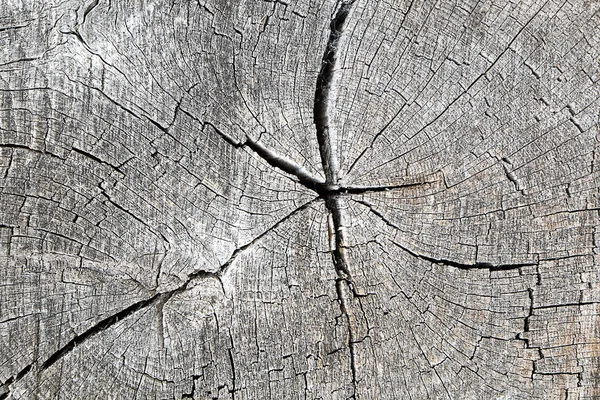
[249, 200]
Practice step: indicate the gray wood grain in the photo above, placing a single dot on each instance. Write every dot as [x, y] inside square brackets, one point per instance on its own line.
[348, 199]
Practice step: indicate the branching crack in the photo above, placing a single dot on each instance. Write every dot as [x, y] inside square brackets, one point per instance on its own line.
[291, 167]
[328, 190]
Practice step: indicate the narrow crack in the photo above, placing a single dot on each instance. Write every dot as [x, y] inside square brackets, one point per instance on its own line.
[524, 336]
[223, 269]
[333, 192]
[233, 388]
[192, 393]
[27, 148]
[583, 303]
[96, 159]
[466, 266]
[291, 167]
[101, 326]
[161, 298]
[79, 339]
[443, 261]
[323, 92]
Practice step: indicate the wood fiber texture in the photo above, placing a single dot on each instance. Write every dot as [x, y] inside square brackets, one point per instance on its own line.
[275, 200]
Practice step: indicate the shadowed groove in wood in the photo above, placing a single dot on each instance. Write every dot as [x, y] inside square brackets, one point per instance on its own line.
[333, 202]
[323, 92]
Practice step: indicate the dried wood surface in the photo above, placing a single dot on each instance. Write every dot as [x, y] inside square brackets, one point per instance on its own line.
[266, 199]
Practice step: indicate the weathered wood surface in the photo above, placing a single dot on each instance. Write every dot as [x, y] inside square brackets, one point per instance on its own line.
[281, 200]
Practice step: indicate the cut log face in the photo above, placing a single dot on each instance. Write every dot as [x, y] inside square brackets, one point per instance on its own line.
[251, 200]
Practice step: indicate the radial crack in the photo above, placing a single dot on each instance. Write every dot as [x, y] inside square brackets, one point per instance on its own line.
[323, 91]
[332, 193]
[286, 165]
[443, 261]
[99, 327]
[467, 266]
[275, 159]
[370, 189]
[219, 274]
[79, 339]
[344, 278]
[140, 305]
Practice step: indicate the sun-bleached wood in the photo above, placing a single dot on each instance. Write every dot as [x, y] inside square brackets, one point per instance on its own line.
[299, 200]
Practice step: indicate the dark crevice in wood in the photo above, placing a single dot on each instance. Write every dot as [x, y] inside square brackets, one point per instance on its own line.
[443, 261]
[277, 160]
[99, 327]
[96, 159]
[510, 175]
[339, 287]
[385, 188]
[5, 388]
[524, 335]
[583, 303]
[232, 362]
[158, 125]
[81, 338]
[16, 27]
[337, 230]
[78, 37]
[88, 9]
[193, 391]
[455, 264]
[27, 148]
[291, 167]
[219, 132]
[330, 191]
[322, 92]
[344, 278]
[240, 249]
[287, 165]
[6, 385]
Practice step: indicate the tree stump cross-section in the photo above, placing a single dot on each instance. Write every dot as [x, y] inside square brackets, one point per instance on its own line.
[350, 199]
